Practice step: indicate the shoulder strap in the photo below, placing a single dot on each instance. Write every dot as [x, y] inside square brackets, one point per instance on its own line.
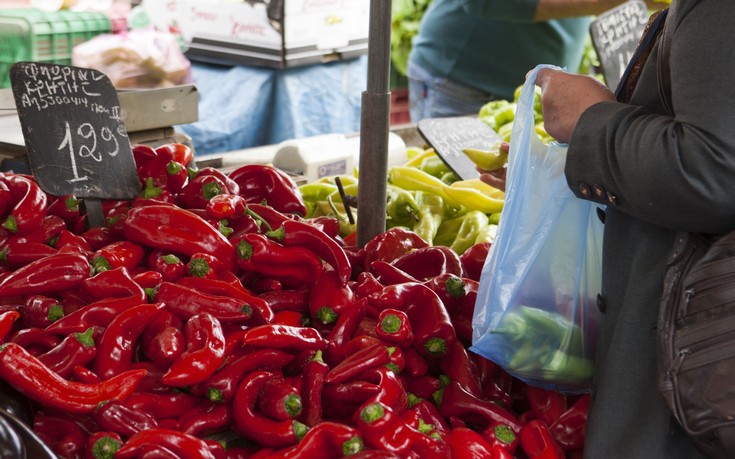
[662, 63]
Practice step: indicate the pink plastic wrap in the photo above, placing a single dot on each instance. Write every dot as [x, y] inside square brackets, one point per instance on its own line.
[140, 58]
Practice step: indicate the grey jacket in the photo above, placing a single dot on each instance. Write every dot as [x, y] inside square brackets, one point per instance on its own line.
[656, 175]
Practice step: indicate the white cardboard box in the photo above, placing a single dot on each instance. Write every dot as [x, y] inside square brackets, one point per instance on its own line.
[271, 33]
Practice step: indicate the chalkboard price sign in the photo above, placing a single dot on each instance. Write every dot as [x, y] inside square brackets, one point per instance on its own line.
[615, 35]
[75, 138]
[449, 137]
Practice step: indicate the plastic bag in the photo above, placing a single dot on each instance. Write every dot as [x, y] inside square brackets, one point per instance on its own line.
[536, 313]
[141, 58]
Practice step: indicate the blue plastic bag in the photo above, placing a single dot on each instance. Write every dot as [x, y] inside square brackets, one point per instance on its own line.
[536, 314]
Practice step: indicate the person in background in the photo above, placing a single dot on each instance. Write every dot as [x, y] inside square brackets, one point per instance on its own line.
[657, 172]
[470, 52]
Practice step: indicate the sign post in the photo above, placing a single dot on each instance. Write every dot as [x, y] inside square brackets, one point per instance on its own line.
[615, 35]
[75, 138]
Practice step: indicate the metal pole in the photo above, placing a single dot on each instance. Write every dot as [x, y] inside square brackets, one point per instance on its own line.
[375, 127]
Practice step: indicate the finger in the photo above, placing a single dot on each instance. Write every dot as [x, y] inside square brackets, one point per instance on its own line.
[504, 147]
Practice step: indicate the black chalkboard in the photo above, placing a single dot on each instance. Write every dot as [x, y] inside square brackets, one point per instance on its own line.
[450, 136]
[615, 35]
[75, 138]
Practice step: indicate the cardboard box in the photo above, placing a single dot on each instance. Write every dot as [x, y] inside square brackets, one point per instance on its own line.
[270, 33]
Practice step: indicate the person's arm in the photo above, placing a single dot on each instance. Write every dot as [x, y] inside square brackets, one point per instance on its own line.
[674, 172]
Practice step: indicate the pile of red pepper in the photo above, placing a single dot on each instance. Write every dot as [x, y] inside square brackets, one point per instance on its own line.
[209, 319]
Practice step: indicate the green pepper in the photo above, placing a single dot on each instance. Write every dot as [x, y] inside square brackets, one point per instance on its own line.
[401, 207]
[433, 165]
[487, 234]
[316, 191]
[431, 215]
[472, 223]
[448, 230]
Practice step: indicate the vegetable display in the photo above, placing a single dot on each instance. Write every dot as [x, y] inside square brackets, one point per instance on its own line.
[237, 323]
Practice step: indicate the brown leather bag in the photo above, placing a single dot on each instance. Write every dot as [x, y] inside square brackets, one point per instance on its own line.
[696, 340]
[696, 324]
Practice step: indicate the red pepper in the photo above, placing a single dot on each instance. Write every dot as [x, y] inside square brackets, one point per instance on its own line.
[391, 391]
[169, 265]
[120, 254]
[547, 405]
[294, 266]
[329, 298]
[148, 280]
[425, 263]
[326, 440]
[40, 311]
[186, 302]
[205, 352]
[30, 204]
[291, 300]
[45, 233]
[387, 274]
[99, 236]
[300, 233]
[65, 437]
[66, 207]
[162, 405]
[456, 401]
[75, 349]
[357, 363]
[122, 419]
[473, 260]
[61, 271]
[429, 414]
[229, 206]
[569, 429]
[312, 389]
[279, 400]
[151, 194]
[117, 344]
[260, 183]
[465, 443]
[391, 244]
[266, 217]
[176, 151]
[383, 429]
[35, 340]
[31, 377]
[343, 399]
[261, 311]
[394, 327]
[342, 332]
[85, 375]
[459, 367]
[199, 190]
[416, 364]
[74, 241]
[292, 318]
[7, 319]
[221, 386]
[367, 285]
[254, 425]
[502, 435]
[214, 419]
[432, 328]
[181, 445]
[102, 445]
[174, 229]
[113, 283]
[538, 443]
[208, 267]
[284, 337]
[165, 347]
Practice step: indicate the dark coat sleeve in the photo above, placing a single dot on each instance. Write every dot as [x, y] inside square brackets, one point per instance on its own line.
[677, 172]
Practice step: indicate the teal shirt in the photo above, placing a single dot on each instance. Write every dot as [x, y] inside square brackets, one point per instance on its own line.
[490, 45]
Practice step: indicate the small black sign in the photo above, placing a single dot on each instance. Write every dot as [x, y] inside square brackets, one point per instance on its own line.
[449, 137]
[75, 138]
[615, 35]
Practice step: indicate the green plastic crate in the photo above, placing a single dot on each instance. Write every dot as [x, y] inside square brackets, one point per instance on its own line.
[39, 36]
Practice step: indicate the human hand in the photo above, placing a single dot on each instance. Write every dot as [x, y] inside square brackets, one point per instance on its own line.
[564, 97]
[496, 178]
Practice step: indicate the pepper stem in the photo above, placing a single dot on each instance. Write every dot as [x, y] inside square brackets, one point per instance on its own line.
[436, 346]
[352, 446]
[293, 405]
[198, 267]
[391, 323]
[326, 315]
[86, 337]
[372, 413]
[105, 448]
[455, 286]
[244, 250]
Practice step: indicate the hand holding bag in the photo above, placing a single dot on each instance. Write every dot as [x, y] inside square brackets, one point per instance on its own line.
[536, 314]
